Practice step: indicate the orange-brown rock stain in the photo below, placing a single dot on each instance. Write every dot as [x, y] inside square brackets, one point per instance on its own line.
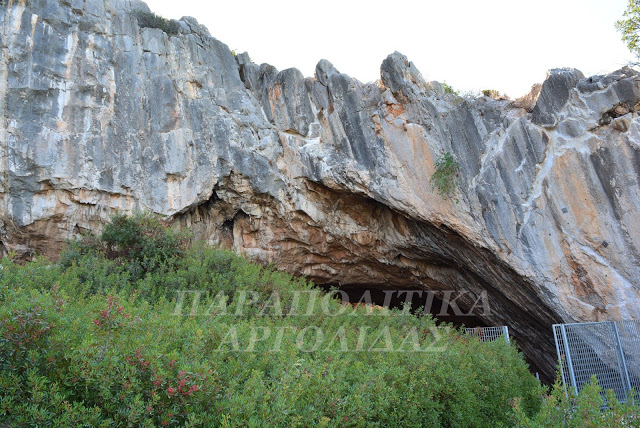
[394, 109]
[274, 99]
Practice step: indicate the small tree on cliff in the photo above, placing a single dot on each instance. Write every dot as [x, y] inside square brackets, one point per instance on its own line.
[629, 26]
[445, 177]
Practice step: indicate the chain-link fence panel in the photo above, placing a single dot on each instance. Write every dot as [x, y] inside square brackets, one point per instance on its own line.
[607, 349]
[488, 334]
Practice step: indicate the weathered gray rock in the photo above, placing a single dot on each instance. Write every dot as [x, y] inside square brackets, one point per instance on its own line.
[436, 87]
[401, 77]
[554, 95]
[324, 176]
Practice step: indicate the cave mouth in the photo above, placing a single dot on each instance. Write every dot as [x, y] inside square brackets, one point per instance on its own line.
[390, 251]
[398, 298]
[419, 301]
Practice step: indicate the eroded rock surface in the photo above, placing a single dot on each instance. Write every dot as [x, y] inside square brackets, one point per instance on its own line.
[324, 176]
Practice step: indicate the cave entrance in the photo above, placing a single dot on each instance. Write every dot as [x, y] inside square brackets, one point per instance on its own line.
[444, 309]
[418, 299]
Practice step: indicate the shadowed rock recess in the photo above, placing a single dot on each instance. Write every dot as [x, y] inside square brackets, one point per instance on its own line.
[325, 176]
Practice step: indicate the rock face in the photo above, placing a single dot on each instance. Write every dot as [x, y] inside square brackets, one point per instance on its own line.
[324, 176]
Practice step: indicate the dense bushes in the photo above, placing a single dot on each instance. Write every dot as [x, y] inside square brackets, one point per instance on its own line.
[562, 408]
[202, 337]
[151, 20]
[141, 244]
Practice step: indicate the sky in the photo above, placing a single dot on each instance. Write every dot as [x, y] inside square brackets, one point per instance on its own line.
[507, 45]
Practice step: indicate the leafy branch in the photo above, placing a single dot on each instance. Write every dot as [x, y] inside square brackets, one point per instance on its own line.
[629, 26]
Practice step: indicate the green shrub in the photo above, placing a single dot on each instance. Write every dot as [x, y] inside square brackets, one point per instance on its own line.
[142, 239]
[491, 93]
[448, 89]
[140, 243]
[151, 20]
[564, 408]
[106, 348]
[445, 177]
[23, 331]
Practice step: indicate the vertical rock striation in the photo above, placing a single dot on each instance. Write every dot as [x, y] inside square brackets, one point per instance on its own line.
[324, 176]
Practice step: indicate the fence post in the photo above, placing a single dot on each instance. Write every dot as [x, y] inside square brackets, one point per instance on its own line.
[556, 328]
[572, 375]
[625, 371]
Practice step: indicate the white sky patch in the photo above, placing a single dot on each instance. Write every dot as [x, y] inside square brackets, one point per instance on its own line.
[506, 45]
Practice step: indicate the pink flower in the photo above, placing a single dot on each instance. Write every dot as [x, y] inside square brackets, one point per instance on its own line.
[170, 391]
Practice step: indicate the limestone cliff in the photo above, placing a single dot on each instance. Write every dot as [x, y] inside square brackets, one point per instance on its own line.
[323, 176]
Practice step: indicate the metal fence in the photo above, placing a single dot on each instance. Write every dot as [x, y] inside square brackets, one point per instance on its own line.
[610, 350]
[630, 342]
[488, 334]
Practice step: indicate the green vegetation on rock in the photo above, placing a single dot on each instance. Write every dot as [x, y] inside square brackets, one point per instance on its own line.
[448, 89]
[445, 177]
[151, 20]
[491, 93]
